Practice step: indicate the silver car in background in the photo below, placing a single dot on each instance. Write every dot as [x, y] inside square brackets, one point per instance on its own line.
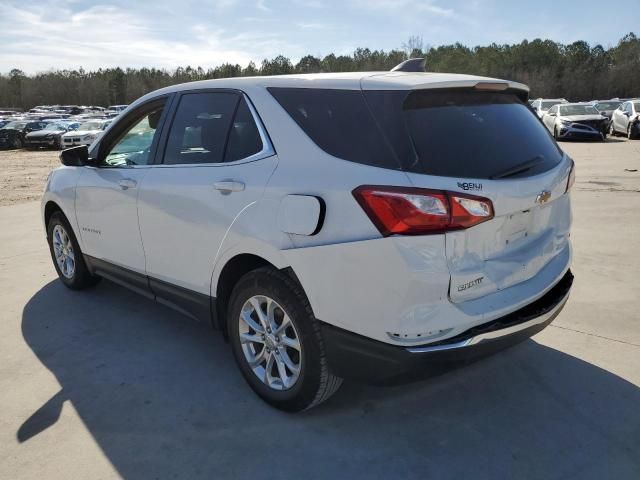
[542, 105]
[578, 121]
[606, 107]
[85, 134]
[626, 120]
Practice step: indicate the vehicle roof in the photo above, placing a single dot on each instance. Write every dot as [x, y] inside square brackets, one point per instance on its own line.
[347, 81]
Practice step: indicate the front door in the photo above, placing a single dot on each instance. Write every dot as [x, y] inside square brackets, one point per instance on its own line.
[107, 193]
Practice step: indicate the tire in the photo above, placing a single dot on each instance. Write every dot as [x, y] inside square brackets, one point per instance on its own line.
[612, 130]
[271, 290]
[555, 133]
[630, 134]
[73, 270]
[17, 143]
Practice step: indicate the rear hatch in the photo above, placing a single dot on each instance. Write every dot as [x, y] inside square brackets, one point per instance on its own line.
[485, 142]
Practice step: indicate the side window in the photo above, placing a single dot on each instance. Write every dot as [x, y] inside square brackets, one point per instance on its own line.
[244, 137]
[200, 128]
[339, 122]
[627, 107]
[554, 109]
[133, 146]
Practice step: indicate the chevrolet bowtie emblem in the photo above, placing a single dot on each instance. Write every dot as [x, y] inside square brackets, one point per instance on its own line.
[543, 197]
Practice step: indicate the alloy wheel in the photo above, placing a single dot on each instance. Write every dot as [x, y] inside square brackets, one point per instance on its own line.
[270, 342]
[63, 251]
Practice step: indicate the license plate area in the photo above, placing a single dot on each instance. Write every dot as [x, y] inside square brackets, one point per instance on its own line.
[517, 226]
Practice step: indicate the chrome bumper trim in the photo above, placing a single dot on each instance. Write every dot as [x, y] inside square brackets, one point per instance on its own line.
[493, 335]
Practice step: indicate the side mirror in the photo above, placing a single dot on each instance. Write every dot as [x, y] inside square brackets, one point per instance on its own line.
[75, 157]
[551, 114]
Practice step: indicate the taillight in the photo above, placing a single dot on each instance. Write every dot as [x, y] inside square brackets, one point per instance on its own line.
[572, 176]
[418, 211]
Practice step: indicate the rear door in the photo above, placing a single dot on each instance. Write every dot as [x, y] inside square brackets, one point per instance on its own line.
[487, 144]
[216, 162]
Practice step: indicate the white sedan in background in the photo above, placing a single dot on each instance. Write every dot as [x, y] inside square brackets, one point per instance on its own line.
[85, 134]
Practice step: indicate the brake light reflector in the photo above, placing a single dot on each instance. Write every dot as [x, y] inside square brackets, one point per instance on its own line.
[419, 211]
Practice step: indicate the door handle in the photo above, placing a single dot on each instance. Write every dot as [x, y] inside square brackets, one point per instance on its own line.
[229, 186]
[126, 183]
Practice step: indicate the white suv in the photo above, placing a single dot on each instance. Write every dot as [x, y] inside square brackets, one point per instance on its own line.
[371, 226]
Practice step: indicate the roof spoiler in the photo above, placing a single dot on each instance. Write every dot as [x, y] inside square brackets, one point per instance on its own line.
[411, 65]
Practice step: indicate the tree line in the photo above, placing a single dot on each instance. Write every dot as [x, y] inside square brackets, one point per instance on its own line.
[575, 71]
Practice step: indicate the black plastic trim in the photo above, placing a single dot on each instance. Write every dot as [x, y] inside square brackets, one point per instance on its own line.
[196, 305]
[192, 304]
[321, 215]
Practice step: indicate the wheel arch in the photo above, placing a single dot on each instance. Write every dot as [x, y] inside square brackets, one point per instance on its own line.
[49, 209]
[232, 271]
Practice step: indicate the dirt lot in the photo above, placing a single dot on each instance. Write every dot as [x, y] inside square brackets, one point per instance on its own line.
[107, 384]
[23, 174]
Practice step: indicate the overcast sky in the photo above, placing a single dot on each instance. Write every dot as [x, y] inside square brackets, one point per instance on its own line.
[41, 35]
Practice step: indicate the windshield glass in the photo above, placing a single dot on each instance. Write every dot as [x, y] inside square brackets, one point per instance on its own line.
[55, 126]
[91, 126]
[16, 125]
[548, 104]
[578, 110]
[607, 105]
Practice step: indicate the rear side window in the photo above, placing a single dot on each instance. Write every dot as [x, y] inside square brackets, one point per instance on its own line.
[212, 127]
[339, 122]
[464, 133]
[200, 128]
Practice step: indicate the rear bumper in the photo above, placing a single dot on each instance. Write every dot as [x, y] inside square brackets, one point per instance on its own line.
[356, 357]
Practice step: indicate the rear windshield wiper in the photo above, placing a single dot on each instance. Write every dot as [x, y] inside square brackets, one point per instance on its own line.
[516, 169]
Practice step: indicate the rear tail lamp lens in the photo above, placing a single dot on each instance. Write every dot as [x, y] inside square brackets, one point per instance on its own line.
[572, 176]
[417, 211]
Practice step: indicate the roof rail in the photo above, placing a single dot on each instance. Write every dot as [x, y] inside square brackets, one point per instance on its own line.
[411, 65]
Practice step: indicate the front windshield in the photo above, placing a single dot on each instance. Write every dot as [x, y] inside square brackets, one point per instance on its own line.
[15, 125]
[548, 104]
[91, 126]
[578, 110]
[55, 126]
[607, 105]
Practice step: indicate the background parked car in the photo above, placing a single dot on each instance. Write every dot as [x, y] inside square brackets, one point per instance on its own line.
[626, 119]
[85, 134]
[606, 107]
[50, 136]
[13, 133]
[576, 121]
[542, 105]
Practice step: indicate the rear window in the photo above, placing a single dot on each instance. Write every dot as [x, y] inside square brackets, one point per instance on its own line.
[444, 132]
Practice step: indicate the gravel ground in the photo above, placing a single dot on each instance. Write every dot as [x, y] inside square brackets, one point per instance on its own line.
[23, 174]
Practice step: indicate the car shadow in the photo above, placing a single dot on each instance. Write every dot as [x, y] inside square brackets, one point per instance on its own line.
[163, 399]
